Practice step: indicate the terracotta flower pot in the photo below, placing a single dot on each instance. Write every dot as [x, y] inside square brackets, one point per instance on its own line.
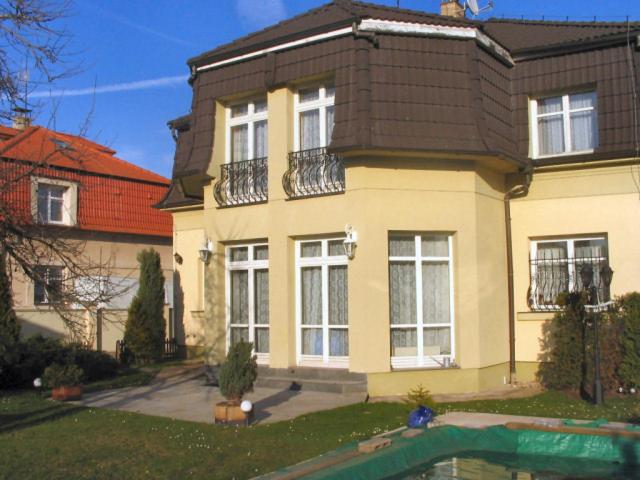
[66, 393]
[229, 412]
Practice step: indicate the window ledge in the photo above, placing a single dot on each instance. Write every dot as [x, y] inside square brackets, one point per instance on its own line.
[565, 154]
[417, 369]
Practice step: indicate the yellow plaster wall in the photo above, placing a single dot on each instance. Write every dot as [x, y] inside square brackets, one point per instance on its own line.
[581, 200]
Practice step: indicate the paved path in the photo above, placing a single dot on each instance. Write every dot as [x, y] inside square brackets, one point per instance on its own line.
[182, 393]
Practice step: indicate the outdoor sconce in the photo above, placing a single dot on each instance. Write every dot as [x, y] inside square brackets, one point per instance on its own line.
[178, 258]
[350, 242]
[206, 251]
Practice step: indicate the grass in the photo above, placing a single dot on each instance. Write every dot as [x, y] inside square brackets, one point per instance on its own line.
[43, 439]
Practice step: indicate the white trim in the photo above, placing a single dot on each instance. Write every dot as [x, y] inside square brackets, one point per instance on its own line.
[251, 265]
[421, 360]
[565, 112]
[380, 26]
[283, 46]
[324, 261]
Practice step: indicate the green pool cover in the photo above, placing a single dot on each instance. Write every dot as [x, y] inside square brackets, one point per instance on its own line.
[405, 454]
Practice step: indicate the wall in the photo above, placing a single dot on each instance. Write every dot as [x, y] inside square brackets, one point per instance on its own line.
[383, 195]
[585, 199]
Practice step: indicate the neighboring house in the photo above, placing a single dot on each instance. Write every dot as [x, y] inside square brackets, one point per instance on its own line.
[78, 189]
[420, 132]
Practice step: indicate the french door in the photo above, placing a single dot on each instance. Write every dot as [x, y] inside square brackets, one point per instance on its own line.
[321, 304]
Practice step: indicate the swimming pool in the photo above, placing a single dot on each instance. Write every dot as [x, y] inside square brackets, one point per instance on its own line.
[488, 453]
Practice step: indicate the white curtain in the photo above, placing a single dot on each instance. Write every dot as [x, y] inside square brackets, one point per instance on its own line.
[329, 113]
[552, 272]
[239, 297]
[437, 341]
[584, 130]
[309, 129]
[239, 143]
[312, 296]
[402, 279]
[260, 139]
[311, 249]
[338, 338]
[551, 135]
[312, 341]
[261, 301]
[404, 342]
[435, 293]
[435, 246]
[261, 340]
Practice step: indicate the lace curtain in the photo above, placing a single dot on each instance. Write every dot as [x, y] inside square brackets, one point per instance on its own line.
[261, 306]
[260, 139]
[239, 143]
[310, 129]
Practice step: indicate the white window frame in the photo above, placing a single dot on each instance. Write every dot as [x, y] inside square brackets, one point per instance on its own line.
[566, 122]
[46, 281]
[572, 274]
[322, 103]
[250, 266]
[69, 201]
[249, 119]
[421, 360]
[324, 261]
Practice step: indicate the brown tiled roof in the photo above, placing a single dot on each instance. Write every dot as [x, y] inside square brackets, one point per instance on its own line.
[518, 35]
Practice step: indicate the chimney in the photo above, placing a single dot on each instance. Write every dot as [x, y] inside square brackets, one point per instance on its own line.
[452, 8]
[21, 118]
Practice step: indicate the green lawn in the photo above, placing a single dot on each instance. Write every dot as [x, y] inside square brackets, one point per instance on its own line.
[43, 439]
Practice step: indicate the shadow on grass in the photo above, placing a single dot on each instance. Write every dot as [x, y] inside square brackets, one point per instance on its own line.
[10, 422]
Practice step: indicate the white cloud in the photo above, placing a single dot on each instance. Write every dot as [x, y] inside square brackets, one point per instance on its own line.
[115, 87]
[260, 13]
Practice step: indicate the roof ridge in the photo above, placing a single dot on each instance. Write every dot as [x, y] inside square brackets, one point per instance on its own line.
[434, 16]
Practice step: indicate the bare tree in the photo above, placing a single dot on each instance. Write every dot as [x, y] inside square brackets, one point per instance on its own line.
[33, 39]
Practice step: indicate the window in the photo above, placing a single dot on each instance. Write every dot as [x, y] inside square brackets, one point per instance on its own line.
[314, 117]
[566, 124]
[48, 284]
[555, 268]
[51, 203]
[248, 297]
[322, 303]
[247, 137]
[421, 300]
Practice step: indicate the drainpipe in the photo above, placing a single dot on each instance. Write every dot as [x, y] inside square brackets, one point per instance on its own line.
[520, 190]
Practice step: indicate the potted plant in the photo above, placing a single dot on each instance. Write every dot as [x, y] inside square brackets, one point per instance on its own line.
[236, 377]
[65, 381]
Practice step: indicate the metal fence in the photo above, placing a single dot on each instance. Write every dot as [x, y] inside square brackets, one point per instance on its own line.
[313, 172]
[551, 276]
[171, 351]
[242, 183]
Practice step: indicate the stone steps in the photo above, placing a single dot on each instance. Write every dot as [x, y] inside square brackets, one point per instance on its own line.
[312, 379]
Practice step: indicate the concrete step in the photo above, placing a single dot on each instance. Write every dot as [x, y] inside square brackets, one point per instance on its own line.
[312, 384]
[310, 373]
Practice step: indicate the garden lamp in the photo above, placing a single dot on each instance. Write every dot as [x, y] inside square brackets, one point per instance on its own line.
[205, 251]
[350, 241]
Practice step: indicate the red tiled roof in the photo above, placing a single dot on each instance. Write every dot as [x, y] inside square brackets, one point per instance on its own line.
[113, 195]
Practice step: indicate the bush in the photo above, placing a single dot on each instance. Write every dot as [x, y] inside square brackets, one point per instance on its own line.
[420, 396]
[238, 372]
[58, 375]
[145, 329]
[9, 327]
[96, 365]
[629, 317]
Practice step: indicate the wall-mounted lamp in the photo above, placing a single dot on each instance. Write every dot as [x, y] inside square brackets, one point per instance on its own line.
[206, 251]
[350, 242]
[178, 258]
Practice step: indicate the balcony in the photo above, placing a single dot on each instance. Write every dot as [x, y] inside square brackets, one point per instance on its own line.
[312, 173]
[551, 276]
[242, 183]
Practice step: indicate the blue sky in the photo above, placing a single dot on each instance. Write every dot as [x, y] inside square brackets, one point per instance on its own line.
[133, 54]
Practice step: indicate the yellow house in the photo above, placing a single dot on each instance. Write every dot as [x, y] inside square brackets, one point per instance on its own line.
[402, 195]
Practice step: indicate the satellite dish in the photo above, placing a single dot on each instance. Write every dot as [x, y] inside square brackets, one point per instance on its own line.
[472, 6]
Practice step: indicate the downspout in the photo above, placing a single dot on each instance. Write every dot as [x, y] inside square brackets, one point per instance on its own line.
[519, 190]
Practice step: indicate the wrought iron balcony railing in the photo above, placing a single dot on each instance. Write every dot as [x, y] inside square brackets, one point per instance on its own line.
[551, 276]
[313, 172]
[242, 183]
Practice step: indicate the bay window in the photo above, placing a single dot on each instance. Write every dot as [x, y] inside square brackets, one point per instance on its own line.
[321, 303]
[421, 300]
[564, 124]
[248, 297]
